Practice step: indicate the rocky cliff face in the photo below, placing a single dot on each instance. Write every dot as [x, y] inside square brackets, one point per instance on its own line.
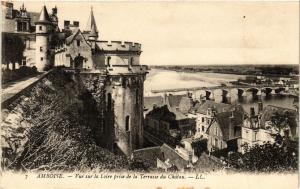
[53, 127]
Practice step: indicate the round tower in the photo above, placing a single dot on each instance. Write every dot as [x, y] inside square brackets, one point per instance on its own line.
[44, 27]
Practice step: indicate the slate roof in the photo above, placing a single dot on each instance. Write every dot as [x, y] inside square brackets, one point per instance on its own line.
[179, 115]
[224, 119]
[163, 152]
[218, 107]
[75, 32]
[44, 16]
[270, 110]
[166, 114]
[72, 36]
[151, 100]
[174, 100]
[195, 107]
[173, 156]
[91, 25]
[34, 17]
[185, 104]
[148, 155]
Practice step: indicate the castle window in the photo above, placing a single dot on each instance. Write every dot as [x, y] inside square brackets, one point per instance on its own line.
[131, 61]
[202, 128]
[41, 49]
[78, 43]
[42, 58]
[40, 28]
[108, 61]
[127, 123]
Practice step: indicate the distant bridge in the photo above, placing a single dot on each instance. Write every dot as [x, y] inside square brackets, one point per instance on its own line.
[228, 93]
[242, 87]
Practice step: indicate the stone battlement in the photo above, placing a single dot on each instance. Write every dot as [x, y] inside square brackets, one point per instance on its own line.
[119, 46]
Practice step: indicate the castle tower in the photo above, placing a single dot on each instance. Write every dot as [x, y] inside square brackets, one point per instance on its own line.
[44, 27]
[124, 93]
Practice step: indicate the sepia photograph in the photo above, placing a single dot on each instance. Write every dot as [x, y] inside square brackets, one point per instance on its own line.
[157, 94]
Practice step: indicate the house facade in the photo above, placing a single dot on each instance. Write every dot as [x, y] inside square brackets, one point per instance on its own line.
[204, 114]
[264, 127]
[225, 129]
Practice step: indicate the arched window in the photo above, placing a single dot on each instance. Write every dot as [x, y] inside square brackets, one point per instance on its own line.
[127, 122]
[109, 100]
[108, 61]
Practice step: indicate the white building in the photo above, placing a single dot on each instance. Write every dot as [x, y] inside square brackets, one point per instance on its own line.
[204, 114]
[258, 129]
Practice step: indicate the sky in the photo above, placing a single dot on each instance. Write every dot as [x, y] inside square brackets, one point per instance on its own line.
[188, 33]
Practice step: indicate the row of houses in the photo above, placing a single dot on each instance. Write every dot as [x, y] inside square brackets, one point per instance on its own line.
[190, 128]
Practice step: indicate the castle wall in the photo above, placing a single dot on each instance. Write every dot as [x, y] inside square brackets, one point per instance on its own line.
[127, 97]
[29, 52]
[99, 60]
[122, 59]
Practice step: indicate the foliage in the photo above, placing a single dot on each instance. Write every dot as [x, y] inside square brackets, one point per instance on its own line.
[13, 75]
[282, 120]
[200, 147]
[265, 158]
[12, 48]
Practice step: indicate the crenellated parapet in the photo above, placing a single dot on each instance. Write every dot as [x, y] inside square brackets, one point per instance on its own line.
[119, 46]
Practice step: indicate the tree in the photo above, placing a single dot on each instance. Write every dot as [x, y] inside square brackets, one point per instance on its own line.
[265, 158]
[282, 121]
[12, 48]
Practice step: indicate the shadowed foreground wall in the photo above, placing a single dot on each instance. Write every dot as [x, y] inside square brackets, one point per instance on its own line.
[54, 126]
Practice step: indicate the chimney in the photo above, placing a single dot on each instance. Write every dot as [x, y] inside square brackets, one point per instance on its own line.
[165, 98]
[260, 106]
[76, 23]
[252, 112]
[66, 24]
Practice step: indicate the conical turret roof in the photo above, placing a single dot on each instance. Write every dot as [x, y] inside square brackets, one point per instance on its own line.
[91, 25]
[44, 16]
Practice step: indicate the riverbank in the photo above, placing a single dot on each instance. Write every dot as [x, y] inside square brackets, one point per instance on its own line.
[257, 70]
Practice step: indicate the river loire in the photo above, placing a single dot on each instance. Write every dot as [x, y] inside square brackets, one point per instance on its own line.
[167, 79]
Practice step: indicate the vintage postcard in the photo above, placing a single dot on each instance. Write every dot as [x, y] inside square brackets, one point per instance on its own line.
[149, 94]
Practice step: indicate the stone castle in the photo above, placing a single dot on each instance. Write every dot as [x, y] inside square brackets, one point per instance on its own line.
[110, 70]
